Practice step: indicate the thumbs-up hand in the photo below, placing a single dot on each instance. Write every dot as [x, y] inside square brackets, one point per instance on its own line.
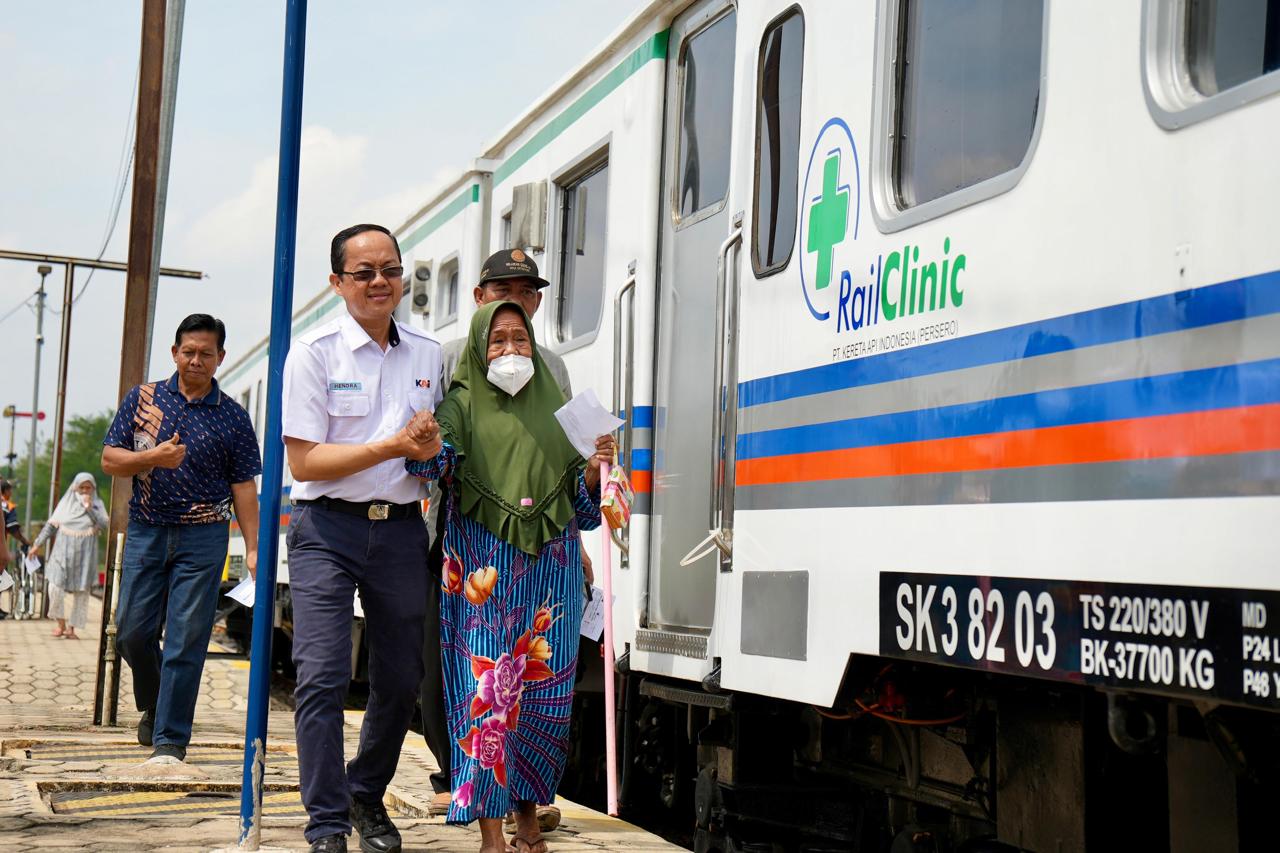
[169, 454]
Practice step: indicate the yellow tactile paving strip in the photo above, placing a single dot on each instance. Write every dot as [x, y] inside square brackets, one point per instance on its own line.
[133, 754]
[116, 803]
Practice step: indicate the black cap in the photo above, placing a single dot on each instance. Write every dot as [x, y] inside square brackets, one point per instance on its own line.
[511, 263]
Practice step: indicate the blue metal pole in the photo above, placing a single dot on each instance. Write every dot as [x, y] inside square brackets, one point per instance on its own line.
[255, 735]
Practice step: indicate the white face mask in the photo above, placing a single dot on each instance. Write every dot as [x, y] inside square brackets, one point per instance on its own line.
[511, 372]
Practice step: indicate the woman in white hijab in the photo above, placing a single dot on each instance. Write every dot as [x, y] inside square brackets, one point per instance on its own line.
[73, 559]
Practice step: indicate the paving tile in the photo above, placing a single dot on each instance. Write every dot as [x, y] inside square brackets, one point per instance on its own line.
[28, 657]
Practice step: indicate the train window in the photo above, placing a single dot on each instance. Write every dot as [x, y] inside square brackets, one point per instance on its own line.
[583, 232]
[447, 294]
[777, 143]
[967, 93]
[1204, 57]
[706, 108]
[1230, 43]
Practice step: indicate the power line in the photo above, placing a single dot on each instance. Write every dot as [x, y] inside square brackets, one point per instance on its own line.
[14, 310]
[123, 167]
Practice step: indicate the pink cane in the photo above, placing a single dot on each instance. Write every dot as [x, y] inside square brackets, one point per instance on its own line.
[610, 740]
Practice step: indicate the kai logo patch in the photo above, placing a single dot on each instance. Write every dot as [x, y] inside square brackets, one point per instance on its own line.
[422, 383]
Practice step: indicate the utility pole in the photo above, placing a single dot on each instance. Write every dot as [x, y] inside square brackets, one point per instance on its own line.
[174, 15]
[136, 336]
[10, 412]
[44, 270]
[60, 408]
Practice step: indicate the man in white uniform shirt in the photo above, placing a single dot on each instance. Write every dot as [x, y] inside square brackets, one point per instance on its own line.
[351, 389]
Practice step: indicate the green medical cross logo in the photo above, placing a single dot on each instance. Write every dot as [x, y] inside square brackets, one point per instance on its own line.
[828, 220]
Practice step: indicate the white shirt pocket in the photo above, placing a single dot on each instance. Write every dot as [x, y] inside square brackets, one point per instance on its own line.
[349, 421]
[421, 400]
[347, 404]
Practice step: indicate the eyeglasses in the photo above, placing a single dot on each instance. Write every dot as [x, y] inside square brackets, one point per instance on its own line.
[367, 276]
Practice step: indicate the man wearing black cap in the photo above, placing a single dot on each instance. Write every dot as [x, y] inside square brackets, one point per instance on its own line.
[509, 275]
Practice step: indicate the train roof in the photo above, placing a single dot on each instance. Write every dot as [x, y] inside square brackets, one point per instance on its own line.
[495, 151]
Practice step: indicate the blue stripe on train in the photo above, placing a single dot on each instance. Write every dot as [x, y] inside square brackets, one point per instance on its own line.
[643, 419]
[1252, 296]
[1250, 384]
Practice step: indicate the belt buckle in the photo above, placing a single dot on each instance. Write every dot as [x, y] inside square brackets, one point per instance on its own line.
[379, 512]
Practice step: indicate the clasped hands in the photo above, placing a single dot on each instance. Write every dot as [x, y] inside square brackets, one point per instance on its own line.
[421, 437]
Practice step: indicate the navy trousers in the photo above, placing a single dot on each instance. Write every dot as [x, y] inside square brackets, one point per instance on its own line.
[331, 556]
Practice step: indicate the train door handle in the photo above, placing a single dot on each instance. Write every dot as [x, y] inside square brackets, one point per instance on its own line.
[715, 539]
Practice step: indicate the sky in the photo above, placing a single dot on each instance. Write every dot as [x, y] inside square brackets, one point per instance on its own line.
[399, 97]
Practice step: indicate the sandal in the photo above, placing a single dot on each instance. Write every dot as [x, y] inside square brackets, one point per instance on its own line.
[548, 818]
[57, 632]
[539, 846]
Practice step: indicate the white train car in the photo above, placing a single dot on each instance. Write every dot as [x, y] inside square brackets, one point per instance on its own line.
[946, 336]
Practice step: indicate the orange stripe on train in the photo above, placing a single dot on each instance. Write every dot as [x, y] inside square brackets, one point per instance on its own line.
[1207, 433]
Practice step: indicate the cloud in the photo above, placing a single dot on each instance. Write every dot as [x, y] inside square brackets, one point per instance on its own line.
[233, 238]
[239, 232]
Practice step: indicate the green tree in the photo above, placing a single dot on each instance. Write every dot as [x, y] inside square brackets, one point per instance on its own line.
[81, 451]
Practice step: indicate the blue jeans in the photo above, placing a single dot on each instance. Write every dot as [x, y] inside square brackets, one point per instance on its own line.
[171, 579]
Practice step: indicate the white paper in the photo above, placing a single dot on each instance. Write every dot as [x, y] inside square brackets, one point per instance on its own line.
[593, 615]
[31, 563]
[244, 592]
[5, 580]
[584, 420]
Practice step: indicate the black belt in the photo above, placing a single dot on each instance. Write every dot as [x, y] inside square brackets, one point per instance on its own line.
[372, 510]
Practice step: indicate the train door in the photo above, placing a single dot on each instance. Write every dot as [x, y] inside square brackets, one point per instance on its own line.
[696, 214]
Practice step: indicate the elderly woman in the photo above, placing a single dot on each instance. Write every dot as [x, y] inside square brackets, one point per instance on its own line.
[516, 496]
[73, 559]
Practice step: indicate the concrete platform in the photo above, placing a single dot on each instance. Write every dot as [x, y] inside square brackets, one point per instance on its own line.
[66, 785]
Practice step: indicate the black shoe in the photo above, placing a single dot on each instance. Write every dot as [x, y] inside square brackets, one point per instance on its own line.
[330, 844]
[170, 749]
[377, 833]
[147, 726]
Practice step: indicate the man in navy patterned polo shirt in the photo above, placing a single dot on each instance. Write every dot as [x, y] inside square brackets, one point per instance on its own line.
[193, 456]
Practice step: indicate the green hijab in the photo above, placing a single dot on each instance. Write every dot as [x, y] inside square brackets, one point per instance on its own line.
[509, 448]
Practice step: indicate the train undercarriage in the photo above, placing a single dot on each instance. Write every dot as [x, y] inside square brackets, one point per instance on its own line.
[916, 758]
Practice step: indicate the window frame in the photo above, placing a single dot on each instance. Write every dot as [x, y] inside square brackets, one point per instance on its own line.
[506, 231]
[697, 28]
[442, 320]
[596, 157]
[1172, 98]
[889, 216]
[778, 20]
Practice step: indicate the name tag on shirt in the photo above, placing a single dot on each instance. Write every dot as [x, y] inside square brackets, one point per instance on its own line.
[346, 386]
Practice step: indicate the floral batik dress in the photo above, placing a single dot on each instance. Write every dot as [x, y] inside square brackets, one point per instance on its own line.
[509, 626]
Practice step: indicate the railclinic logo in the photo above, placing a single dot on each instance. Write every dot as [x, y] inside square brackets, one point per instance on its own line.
[829, 205]
[878, 288]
